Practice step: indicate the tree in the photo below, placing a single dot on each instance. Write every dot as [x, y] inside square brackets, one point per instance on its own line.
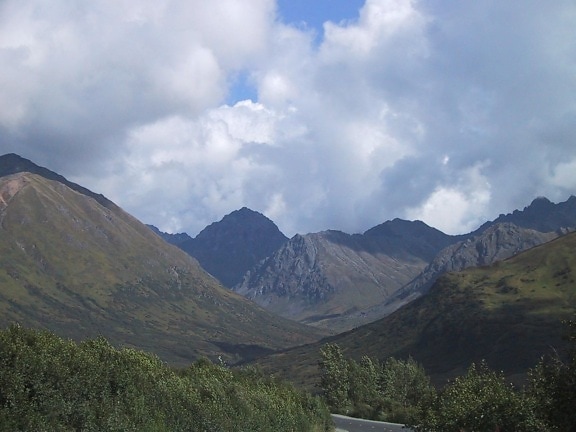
[363, 393]
[405, 388]
[553, 385]
[47, 383]
[394, 391]
[334, 378]
[481, 401]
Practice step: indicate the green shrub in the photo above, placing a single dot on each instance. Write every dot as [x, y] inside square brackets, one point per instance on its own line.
[393, 391]
[481, 401]
[47, 384]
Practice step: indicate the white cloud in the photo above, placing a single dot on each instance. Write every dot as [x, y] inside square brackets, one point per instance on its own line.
[456, 207]
[383, 25]
[444, 111]
[564, 175]
[87, 73]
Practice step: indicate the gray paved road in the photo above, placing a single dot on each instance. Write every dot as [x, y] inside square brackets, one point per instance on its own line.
[350, 424]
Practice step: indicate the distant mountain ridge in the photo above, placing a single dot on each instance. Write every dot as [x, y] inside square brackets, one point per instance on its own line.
[494, 241]
[339, 281]
[324, 278]
[174, 239]
[541, 215]
[412, 238]
[497, 242]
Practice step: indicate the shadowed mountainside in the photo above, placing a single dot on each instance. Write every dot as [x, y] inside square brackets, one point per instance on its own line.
[229, 248]
[174, 239]
[541, 215]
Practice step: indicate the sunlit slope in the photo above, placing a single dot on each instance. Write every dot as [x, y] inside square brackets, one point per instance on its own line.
[79, 268]
[509, 314]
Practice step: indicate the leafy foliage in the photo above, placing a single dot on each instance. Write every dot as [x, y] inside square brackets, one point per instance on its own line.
[335, 380]
[481, 401]
[47, 383]
[553, 385]
[392, 391]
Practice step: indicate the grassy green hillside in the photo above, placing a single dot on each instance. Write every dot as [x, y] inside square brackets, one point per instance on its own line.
[71, 265]
[508, 314]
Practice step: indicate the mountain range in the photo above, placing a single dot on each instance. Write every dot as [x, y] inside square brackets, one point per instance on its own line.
[339, 281]
[74, 262]
[324, 278]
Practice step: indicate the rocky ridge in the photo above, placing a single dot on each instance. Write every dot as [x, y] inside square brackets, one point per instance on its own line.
[498, 242]
[322, 278]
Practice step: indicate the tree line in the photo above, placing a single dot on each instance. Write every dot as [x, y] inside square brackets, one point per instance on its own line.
[399, 391]
[48, 383]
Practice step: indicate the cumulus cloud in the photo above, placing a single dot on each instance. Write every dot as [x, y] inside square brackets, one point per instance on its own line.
[442, 111]
[80, 76]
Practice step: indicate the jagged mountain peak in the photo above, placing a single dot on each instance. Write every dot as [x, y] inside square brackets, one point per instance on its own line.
[325, 278]
[540, 200]
[539, 204]
[496, 243]
[397, 226]
[414, 237]
[243, 212]
[541, 215]
[174, 239]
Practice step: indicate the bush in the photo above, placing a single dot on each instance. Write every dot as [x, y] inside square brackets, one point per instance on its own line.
[553, 385]
[481, 401]
[393, 391]
[47, 383]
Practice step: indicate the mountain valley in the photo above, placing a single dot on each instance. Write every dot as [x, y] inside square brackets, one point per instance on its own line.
[73, 262]
[70, 264]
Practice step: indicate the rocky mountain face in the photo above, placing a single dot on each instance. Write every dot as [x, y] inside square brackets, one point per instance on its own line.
[506, 236]
[340, 281]
[509, 314]
[496, 243]
[229, 248]
[329, 278]
[70, 264]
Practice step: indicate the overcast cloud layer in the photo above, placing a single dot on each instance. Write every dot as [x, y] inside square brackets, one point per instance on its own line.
[449, 112]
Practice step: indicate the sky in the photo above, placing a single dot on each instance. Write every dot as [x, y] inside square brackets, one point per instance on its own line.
[324, 114]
